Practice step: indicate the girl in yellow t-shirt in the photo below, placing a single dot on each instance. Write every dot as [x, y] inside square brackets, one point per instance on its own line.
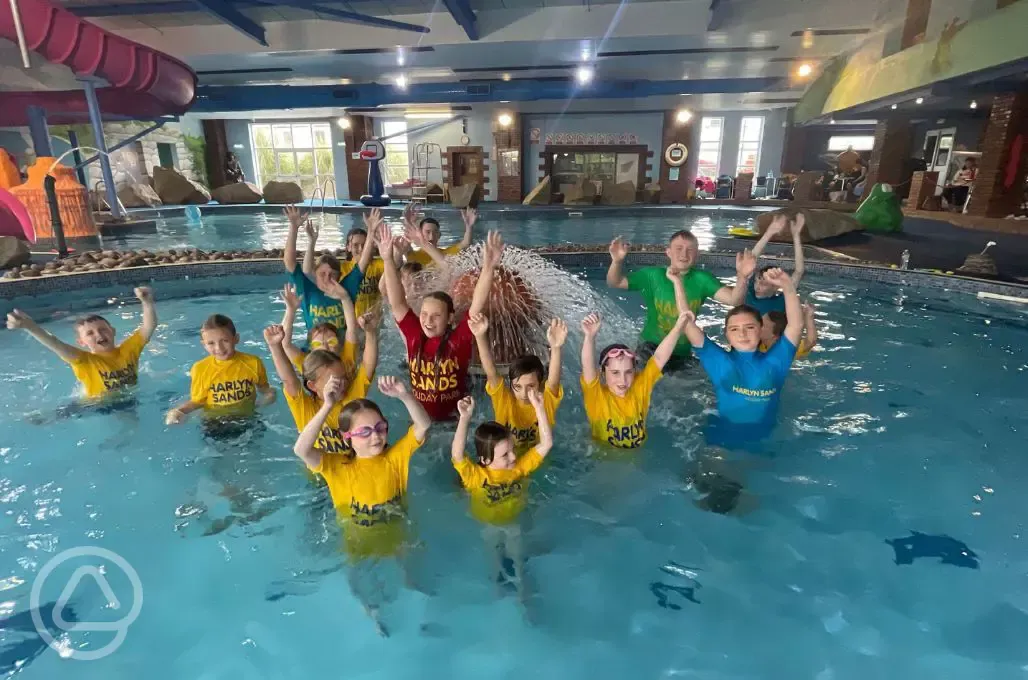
[617, 406]
[368, 488]
[497, 482]
[511, 406]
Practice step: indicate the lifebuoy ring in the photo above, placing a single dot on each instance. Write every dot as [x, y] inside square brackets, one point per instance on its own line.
[675, 154]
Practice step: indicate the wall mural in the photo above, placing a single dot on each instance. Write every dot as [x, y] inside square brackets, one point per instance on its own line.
[600, 139]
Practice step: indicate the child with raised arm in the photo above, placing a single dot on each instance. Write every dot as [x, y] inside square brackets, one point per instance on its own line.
[425, 234]
[361, 250]
[319, 295]
[227, 385]
[497, 481]
[617, 406]
[761, 294]
[747, 382]
[439, 343]
[773, 325]
[512, 407]
[325, 335]
[319, 367]
[100, 365]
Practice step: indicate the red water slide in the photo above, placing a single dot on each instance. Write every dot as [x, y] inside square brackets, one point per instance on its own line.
[144, 83]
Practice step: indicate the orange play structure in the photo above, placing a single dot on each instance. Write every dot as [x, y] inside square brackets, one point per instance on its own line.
[72, 201]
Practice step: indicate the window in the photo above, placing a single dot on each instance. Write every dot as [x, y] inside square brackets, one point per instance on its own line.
[293, 152]
[857, 142]
[709, 158]
[397, 160]
[750, 136]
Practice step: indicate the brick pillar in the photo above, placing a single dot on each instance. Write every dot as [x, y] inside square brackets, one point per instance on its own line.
[922, 186]
[990, 197]
[507, 153]
[890, 152]
[675, 191]
[361, 130]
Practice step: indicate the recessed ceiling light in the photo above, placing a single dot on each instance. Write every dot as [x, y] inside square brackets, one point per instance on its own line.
[401, 81]
[919, 100]
[584, 75]
[683, 115]
[504, 119]
[974, 104]
[804, 70]
[894, 107]
[505, 77]
[401, 56]
[344, 123]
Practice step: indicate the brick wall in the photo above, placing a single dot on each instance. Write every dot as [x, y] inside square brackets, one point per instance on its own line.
[890, 152]
[674, 191]
[990, 197]
[922, 186]
[361, 130]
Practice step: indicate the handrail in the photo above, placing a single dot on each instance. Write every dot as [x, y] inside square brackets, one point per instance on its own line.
[101, 197]
[323, 190]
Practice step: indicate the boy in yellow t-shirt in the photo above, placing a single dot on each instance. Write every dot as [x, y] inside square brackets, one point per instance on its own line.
[100, 366]
[425, 234]
[511, 407]
[617, 406]
[226, 384]
[773, 325]
[497, 482]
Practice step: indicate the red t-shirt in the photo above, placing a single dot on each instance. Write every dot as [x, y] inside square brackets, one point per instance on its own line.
[438, 383]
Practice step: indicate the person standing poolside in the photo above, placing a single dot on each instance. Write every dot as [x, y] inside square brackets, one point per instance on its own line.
[659, 293]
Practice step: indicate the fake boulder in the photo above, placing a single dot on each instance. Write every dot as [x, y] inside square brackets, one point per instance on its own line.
[13, 252]
[174, 188]
[464, 196]
[819, 224]
[622, 193]
[282, 192]
[138, 196]
[238, 192]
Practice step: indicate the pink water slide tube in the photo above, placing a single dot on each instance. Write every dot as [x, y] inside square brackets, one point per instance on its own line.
[144, 83]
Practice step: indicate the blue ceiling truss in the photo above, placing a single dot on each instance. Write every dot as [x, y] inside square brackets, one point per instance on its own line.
[229, 12]
[465, 17]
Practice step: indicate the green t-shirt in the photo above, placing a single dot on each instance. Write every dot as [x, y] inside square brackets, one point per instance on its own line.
[661, 310]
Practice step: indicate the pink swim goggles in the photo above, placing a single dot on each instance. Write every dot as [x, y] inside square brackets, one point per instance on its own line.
[381, 427]
[617, 353]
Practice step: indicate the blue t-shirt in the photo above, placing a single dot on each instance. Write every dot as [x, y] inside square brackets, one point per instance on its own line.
[775, 303]
[747, 385]
[320, 308]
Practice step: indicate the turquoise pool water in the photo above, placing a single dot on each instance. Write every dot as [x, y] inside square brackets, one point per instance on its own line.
[910, 417]
[268, 229]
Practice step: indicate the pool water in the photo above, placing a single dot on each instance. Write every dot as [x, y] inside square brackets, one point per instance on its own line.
[265, 230]
[911, 416]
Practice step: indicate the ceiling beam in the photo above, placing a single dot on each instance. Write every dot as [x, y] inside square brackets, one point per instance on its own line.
[462, 13]
[720, 13]
[234, 18]
[343, 15]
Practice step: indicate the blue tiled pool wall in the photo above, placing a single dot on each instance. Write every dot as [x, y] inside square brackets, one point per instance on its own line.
[92, 288]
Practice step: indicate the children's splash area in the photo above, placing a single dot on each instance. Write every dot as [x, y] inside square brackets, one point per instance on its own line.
[874, 533]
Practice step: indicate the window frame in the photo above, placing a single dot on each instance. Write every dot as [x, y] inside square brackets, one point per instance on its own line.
[318, 175]
[746, 145]
[705, 145]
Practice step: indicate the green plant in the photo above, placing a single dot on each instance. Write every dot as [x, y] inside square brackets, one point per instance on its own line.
[197, 148]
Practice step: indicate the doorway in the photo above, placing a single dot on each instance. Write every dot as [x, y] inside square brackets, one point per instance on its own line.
[467, 168]
[938, 152]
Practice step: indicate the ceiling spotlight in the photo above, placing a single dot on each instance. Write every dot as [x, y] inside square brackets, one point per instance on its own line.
[584, 75]
[504, 119]
[831, 122]
[894, 107]
[804, 70]
[344, 123]
[807, 40]
[683, 116]
[401, 57]
[506, 77]
[919, 100]
[401, 81]
[974, 104]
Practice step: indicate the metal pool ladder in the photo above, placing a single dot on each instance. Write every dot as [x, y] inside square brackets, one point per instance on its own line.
[101, 198]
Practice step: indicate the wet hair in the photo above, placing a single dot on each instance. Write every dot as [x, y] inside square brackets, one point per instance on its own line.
[743, 309]
[524, 365]
[428, 220]
[356, 231]
[317, 361]
[411, 268]
[608, 349]
[487, 436]
[218, 321]
[448, 301]
[686, 234]
[763, 270]
[354, 407]
[332, 261]
[778, 322]
[323, 326]
[92, 318]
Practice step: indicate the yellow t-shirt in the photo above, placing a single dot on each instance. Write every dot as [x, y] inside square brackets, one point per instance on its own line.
[425, 260]
[498, 496]
[106, 371]
[520, 418]
[621, 421]
[801, 351]
[305, 405]
[348, 356]
[228, 387]
[368, 495]
[368, 297]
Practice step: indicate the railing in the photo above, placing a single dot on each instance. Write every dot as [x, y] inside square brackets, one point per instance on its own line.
[323, 190]
[101, 198]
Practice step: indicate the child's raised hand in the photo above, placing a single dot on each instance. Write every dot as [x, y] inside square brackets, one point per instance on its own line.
[745, 264]
[466, 406]
[479, 324]
[372, 220]
[618, 249]
[777, 277]
[391, 387]
[410, 216]
[274, 335]
[808, 312]
[295, 217]
[369, 320]
[686, 318]
[591, 325]
[312, 230]
[778, 224]
[534, 398]
[17, 319]
[470, 216]
[290, 297]
[332, 391]
[412, 233]
[493, 253]
[557, 333]
[143, 294]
